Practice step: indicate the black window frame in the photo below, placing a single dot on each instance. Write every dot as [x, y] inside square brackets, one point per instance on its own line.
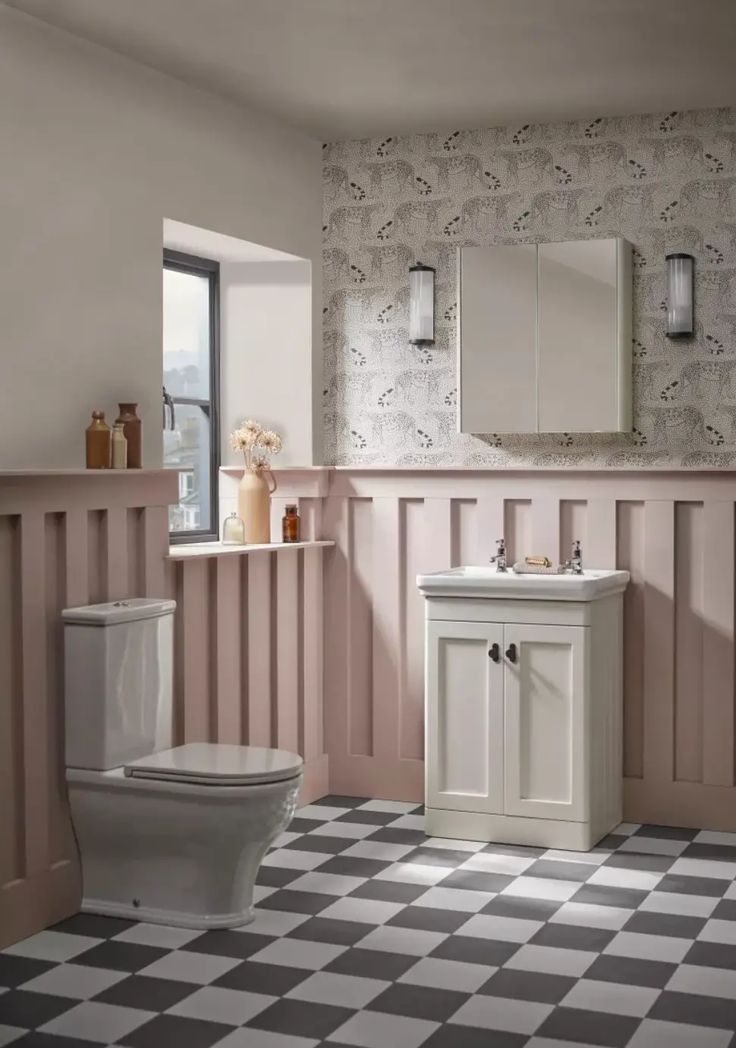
[182, 262]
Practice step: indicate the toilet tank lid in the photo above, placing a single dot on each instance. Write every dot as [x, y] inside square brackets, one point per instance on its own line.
[129, 610]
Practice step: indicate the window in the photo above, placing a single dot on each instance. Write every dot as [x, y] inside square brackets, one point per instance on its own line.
[191, 391]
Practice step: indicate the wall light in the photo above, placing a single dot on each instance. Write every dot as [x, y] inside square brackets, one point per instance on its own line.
[421, 305]
[679, 295]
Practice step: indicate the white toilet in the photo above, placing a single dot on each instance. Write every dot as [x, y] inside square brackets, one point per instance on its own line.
[174, 836]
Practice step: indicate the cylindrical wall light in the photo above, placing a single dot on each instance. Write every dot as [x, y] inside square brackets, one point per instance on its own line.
[679, 295]
[421, 305]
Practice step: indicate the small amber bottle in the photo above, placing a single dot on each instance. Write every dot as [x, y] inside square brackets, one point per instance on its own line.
[98, 442]
[290, 525]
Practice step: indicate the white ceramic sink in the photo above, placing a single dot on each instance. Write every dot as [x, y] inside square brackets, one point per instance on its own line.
[487, 582]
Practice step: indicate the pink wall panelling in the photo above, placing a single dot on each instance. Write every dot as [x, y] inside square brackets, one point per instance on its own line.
[259, 628]
[249, 631]
[65, 539]
[673, 531]
[248, 653]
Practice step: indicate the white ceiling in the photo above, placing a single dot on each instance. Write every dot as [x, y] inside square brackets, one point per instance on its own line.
[355, 68]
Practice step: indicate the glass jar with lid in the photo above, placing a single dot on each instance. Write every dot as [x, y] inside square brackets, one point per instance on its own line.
[233, 531]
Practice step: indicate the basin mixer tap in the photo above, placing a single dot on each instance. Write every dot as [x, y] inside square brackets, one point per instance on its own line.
[575, 564]
[500, 558]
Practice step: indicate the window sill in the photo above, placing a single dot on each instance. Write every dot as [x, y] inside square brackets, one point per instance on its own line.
[187, 551]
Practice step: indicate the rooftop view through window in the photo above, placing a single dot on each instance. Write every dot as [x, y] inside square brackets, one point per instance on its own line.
[189, 389]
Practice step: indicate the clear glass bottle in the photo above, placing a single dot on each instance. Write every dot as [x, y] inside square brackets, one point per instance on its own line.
[233, 531]
[98, 442]
[290, 525]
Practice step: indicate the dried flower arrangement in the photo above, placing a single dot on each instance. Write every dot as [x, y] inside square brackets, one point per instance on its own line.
[257, 445]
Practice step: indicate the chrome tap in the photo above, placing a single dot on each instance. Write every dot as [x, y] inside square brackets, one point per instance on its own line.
[500, 558]
[169, 406]
[575, 564]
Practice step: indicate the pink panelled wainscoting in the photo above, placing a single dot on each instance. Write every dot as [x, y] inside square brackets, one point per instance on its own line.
[674, 531]
[248, 640]
[248, 658]
[65, 539]
[250, 643]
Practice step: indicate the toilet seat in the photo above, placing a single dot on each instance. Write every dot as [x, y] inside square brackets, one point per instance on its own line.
[217, 764]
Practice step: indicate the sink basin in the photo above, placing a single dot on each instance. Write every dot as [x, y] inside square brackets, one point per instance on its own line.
[487, 582]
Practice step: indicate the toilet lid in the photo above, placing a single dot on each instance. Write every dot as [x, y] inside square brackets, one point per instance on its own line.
[217, 764]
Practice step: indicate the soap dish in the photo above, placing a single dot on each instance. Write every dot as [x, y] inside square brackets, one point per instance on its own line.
[521, 568]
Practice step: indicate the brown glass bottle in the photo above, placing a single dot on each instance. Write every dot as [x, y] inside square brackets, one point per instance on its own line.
[132, 429]
[290, 525]
[98, 442]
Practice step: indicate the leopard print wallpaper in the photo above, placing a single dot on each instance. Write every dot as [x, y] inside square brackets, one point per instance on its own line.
[666, 182]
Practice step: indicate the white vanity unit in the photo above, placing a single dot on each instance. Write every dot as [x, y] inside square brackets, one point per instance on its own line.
[523, 705]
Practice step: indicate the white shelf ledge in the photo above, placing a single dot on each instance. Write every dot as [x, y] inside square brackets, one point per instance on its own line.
[92, 474]
[188, 550]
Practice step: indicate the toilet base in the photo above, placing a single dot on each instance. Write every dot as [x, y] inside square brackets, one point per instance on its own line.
[173, 918]
[174, 853]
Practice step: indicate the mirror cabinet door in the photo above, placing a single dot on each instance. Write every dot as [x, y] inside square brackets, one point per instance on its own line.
[545, 338]
[497, 319]
[579, 358]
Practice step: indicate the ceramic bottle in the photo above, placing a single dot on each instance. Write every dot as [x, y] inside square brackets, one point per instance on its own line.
[98, 442]
[119, 447]
[128, 417]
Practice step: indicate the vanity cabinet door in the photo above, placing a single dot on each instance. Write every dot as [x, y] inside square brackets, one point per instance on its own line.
[465, 716]
[545, 686]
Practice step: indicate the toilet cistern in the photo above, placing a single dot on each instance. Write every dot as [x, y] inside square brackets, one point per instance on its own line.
[168, 834]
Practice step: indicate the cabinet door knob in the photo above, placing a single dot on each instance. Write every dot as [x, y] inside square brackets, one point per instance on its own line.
[494, 653]
[511, 653]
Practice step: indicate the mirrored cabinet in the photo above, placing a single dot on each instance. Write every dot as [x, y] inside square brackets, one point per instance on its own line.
[544, 338]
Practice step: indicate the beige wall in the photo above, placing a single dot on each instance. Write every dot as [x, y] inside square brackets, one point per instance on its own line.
[96, 152]
[266, 311]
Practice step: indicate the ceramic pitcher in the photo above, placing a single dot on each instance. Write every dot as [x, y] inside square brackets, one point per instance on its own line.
[254, 504]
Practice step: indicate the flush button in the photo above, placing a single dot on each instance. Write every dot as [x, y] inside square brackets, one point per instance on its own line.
[121, 604]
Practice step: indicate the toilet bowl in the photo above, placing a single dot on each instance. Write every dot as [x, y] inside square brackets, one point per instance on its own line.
[177, 843]
[168, 835]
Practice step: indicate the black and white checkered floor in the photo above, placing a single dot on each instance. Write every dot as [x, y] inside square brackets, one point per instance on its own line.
[370, 934]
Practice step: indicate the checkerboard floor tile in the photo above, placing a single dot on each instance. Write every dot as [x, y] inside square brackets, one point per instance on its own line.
[367, 933]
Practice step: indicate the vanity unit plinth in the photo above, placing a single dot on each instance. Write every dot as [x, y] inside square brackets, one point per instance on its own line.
[523, 706]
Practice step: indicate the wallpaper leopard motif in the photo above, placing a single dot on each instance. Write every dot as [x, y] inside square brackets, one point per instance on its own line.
[665, 182]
